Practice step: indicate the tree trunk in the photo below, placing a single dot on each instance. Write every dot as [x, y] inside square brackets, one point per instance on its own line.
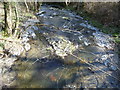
[5, 17]
[16, 20]
[8, 17]
[27, 8]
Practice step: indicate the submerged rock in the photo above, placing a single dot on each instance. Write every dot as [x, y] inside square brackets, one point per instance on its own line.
[41, 12]
[88, 26]
[103, 40]
[27, 46]
[14, 48]
[7, 76]
[113, 67]
[62, 45]
[10, 61]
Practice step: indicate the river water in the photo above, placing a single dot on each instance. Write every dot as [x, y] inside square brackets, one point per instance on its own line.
[45, 66]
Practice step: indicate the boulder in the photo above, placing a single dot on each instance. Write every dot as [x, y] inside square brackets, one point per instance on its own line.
[62, 45]
[14, 48]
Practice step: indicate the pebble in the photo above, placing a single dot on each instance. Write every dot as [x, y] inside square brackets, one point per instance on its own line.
[113, 68]
[25, 39]
[27, 46]
[106, 62]
[54, 14]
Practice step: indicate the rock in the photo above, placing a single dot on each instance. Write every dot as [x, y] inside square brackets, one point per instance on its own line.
[62, 45]
[31, 33]
[33, 20]
[14, 48]
[55, 14]
[35, 28]
[27, 46]
[107, 62]
[8, 78]
[89, 82]
[80, 37]
[113, 68]
[104, 57]
[42, 15]
[86, 42]
[103, 40]
[25, 39]
[77, 16]
[51, 17]
[70, 86]
[88, 26]
[66, 18]
[41, 12]
[10, 61]
[16, 51]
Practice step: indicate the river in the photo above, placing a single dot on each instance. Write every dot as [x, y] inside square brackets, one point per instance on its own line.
[69, 53]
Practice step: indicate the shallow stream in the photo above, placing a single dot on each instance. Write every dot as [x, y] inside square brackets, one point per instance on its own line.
[41, 68]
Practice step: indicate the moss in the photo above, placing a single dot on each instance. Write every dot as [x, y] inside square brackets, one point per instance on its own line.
[117, 40]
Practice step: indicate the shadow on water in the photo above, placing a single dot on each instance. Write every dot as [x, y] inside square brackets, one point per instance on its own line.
[46, 73]
[49, 73]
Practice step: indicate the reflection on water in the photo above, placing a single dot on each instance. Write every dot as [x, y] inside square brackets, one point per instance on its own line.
[46, 72]
[52, 73]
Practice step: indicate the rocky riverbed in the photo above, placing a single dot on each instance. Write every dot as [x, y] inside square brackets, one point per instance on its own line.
[62, 50]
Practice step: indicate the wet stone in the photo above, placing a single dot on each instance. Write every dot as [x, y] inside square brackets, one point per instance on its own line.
[27, 46]
[113, 68]
[107, 62]
[41, 12]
